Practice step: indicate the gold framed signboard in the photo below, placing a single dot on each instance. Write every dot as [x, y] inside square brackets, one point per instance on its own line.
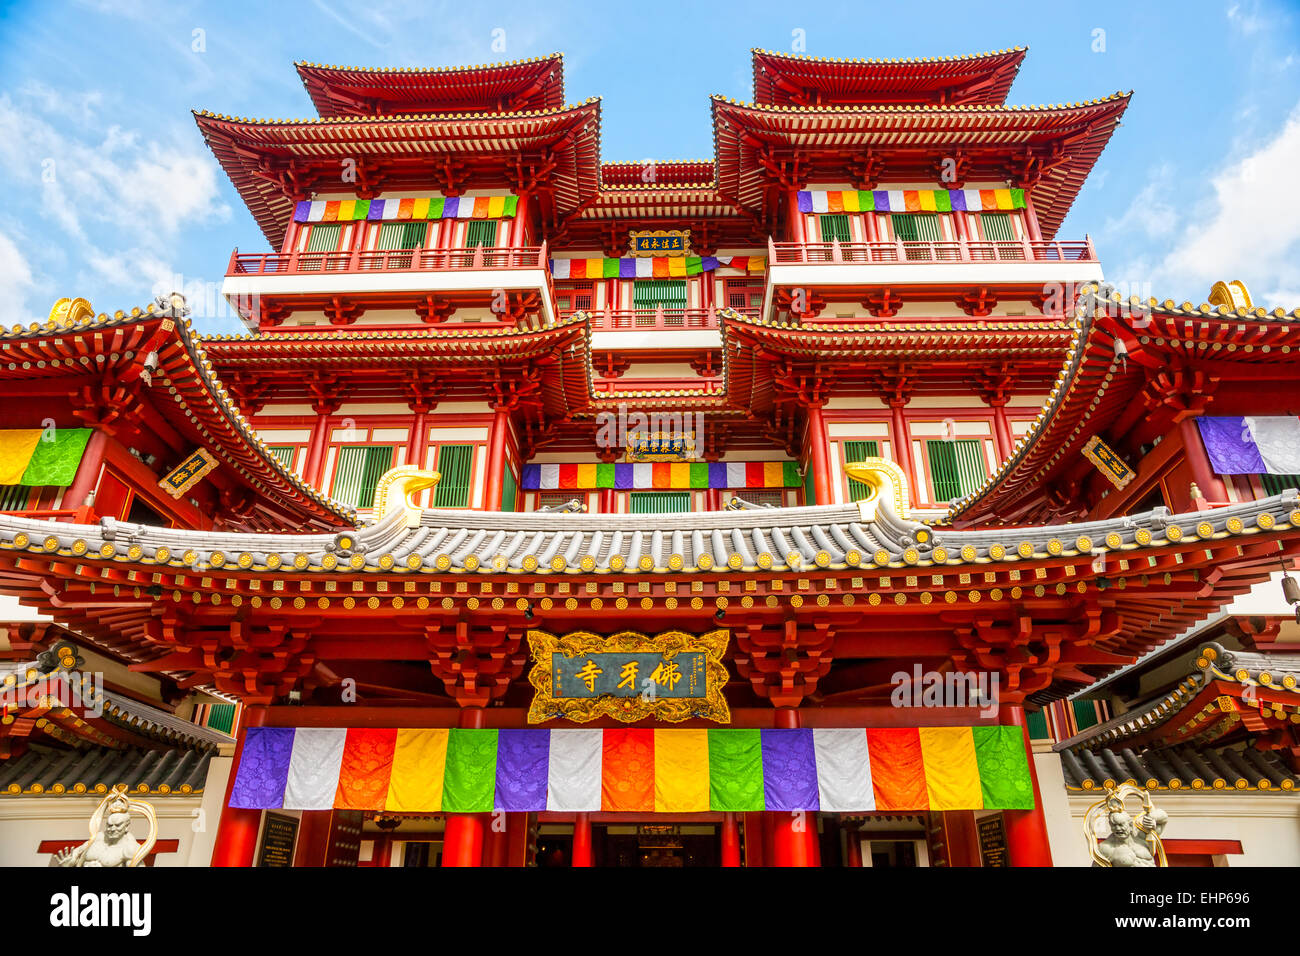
[1111, 465]
[672, 676]
[188, 473]
[660, 242]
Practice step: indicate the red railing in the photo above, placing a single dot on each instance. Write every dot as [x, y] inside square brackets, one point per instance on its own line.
[666, 319]
[388, 260]
[81, 515]
[902, 252]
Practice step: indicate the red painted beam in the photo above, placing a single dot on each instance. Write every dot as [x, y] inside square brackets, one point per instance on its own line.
[1202, 847]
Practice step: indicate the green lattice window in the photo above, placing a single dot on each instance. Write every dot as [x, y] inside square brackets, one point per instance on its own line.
[1037, 723]
[916, 227]
[455, 464]
[358, 470]
[809, 487]
[857, 451]
[957, 468]
[660, 502]
[1276, 484]
[284, 454]
[481, 232]
[324, 237]
[221, 717]
[997, 227]
[509, 491]
[652, 293]
[1085, 714]
[402, 235]
[834, 226]
[14, 497]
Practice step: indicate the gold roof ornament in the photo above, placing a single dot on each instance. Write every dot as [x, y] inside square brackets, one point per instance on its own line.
[1233, 294]
[70, 311]
[394, 489]
[886, 483]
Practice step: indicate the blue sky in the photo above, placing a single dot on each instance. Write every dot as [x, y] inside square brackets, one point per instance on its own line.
[111, 191]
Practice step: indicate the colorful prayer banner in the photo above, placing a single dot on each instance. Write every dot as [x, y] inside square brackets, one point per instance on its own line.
[911, 200]
[36, 456]
[424, 207]
[634, 770]
[1252, 445]
[669, 476]
[645, 267]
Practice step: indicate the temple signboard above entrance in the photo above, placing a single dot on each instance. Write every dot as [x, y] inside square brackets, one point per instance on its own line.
[673, 676]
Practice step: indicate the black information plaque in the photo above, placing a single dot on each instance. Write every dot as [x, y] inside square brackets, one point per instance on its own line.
[278, 836]
[993, 841]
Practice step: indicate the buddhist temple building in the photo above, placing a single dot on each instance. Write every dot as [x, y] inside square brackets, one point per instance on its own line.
[812, 504]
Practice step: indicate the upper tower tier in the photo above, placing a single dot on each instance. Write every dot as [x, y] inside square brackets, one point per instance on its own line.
[984, 79]
[535, 84]
[815, 124]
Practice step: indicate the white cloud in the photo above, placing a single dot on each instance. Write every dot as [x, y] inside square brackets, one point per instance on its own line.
[146, 192]
[1247, 231]
[129, 268]
[16, 283]
[1152, 212]
[1246, 18]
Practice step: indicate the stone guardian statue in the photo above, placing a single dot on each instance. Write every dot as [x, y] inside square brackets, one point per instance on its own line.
[1134, 839]
[111, 843]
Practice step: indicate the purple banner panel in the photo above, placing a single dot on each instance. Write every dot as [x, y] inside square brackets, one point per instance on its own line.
[790, 770]
[523, 760]
[263, 768]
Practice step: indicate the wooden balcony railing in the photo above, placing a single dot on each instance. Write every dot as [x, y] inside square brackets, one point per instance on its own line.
[82, 515]
[664, 319]
[895, 252]
[356, 261]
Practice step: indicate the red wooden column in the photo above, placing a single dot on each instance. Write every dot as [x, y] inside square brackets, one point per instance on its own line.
[417, 440]
[462, 838]
[1031, 220]
[383, 855]
[854, 845]
[87, 476]
[314, 828]
[794, 835]
[520, 220]
[1002, 440]
[818, 454]
[496, 463]
[313, 470]
[730, 840]
[517, 837]
[582, 840]
[237, 829]
[496, 845]
[1198, 461]
[796, 218]
[903, 446]
[754, 842]
[605, 501]
[1026, 829]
